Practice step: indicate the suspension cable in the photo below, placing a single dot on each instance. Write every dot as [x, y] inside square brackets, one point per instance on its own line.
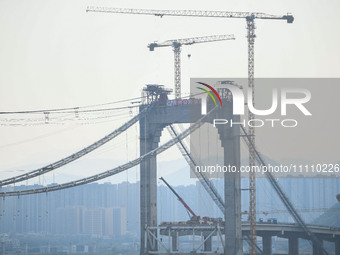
[72, 109]
[76, 155]
[115, 170]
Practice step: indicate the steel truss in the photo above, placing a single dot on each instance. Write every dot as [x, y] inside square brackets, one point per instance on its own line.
[172, 232]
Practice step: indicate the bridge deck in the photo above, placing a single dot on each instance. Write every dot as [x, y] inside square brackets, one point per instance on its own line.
[280, 229]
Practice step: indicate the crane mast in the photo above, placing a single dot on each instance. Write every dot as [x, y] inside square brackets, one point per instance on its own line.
[177, 68]
[251, 131]
[250, 19]
[177, 45]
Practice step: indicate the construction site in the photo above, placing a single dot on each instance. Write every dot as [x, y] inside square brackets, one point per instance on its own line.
[165, 108]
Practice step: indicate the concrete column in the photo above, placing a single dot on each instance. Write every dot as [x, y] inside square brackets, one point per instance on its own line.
[316, 249]
[207, 244]
[267, 245]
[149, 139]
[230, 139]
[293, 245]
[174, 242]
[337, 245]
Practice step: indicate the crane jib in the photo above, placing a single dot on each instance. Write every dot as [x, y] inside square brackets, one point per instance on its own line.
[192, 13]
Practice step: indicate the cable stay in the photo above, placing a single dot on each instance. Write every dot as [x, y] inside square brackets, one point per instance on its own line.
[206, 183]
[113, 171]
[293, 212]
[76, 155]
[250, 243]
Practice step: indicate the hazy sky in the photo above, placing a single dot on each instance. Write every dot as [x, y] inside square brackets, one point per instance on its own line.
[53, 54]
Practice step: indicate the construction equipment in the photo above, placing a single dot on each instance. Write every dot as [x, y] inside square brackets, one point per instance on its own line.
[176, 45]
[193, 215]
[250, 20]
[194, 219]
[207, 184]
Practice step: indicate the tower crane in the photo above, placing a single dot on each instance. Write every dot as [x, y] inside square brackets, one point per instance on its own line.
[250, 20]
[176, 46]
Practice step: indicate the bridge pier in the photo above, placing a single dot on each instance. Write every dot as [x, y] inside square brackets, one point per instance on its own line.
[337, 245]
[174, 244]
[207, 243]
[293, 245]
[317, 250]
[230, 140]
[267, 244]
[149, 139]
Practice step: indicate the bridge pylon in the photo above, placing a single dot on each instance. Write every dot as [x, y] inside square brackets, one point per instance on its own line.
[151, 126]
